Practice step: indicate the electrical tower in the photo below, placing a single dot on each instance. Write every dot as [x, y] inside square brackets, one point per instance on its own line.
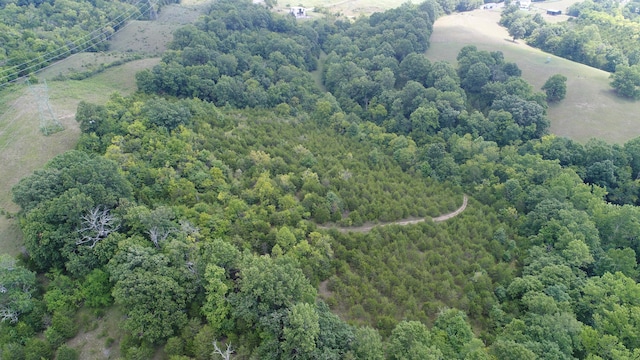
[49, 124]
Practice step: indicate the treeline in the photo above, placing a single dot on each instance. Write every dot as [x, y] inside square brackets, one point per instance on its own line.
[615, 168]
[241, 55]
[35, 33]
[600, 34]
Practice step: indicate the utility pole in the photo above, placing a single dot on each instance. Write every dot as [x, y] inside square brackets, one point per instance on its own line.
[49, 124]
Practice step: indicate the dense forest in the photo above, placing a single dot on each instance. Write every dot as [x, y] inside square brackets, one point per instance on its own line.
[212, 207]
[601, 33]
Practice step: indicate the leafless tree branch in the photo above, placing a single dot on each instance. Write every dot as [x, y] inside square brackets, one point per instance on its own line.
[225, 355]
[8, 314]
[159, 234]
[97, 224]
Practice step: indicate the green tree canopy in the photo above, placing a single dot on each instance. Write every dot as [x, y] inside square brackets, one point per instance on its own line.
[555, 88]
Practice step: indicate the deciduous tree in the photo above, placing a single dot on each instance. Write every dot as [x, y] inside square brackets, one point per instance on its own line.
[555, 88]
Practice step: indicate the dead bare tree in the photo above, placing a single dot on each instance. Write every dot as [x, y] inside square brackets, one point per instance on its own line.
[9, 314]
[159, 234]
[189, 229]
[97, 224]
[225, 355]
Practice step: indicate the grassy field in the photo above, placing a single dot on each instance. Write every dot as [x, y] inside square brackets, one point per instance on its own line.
[151, 37]
[591, 109]
[351, 8]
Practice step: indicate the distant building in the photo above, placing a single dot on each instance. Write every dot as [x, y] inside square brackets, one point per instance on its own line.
[525, 4]
[554, 12]
[298, 12]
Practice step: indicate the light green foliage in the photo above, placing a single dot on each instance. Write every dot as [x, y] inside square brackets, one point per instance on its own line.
[301, 333]
[36, 349]
[412, 340]
[62, 294]
[368, 344]
[96, 289]
[577, 254]
[285, 238]
[216, 308]
[616, 310]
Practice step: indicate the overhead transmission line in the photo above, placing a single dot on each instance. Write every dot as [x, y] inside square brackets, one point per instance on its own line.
[79, 47]
[98, 30]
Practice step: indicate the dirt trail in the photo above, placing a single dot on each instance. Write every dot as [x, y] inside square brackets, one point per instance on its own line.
[367, 227]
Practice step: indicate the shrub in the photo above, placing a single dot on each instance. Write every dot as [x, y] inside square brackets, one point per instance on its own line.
[67, 353]
[174, 346]
[37, 349]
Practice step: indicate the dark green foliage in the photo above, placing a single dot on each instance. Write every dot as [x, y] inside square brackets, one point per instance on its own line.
[153, 290]
[33, 36]
[55, 199]
[555, 88]
[517, 29]
[36, 349]
[162, 113]
[18, 286]
[392, 268]
[626, 81]
[267, 286]
[67, 353]
[211, 60]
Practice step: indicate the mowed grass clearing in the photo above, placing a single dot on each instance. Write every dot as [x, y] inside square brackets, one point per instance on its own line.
[591, 108]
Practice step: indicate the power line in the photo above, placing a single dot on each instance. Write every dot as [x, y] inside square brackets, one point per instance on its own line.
[76, 47]
[79, 47]
[49, 124]
[84, 36]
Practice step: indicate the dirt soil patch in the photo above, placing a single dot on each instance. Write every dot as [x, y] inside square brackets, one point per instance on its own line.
[403, 222]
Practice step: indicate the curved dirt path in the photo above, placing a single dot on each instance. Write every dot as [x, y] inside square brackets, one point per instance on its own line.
[367, 227]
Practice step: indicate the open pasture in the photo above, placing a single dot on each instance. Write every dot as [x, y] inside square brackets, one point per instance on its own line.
[351, 8]
[591, 108]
